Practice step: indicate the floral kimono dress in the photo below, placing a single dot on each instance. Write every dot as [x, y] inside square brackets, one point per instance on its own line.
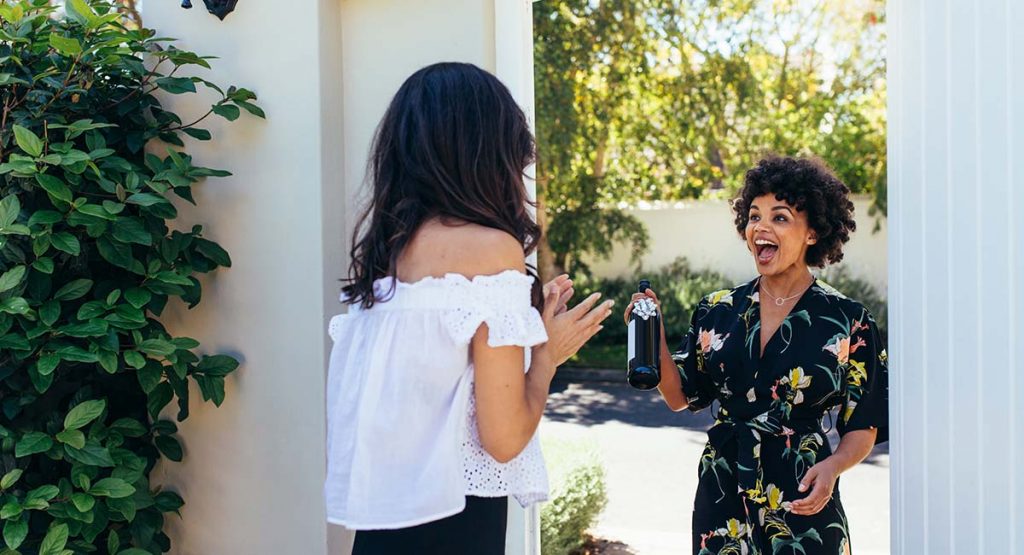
[768, 430]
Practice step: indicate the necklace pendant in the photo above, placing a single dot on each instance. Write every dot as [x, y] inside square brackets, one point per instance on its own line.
[780, 302]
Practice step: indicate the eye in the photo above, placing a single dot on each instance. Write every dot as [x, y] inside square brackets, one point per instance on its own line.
[755, 218]
[780, 218]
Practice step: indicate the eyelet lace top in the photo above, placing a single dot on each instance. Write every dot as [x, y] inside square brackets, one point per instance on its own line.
[402, 442]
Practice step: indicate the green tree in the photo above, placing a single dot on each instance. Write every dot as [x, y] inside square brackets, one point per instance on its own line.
[674, 99]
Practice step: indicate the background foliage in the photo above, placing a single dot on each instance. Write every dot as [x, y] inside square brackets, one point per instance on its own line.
[88, 260]
[673, 99]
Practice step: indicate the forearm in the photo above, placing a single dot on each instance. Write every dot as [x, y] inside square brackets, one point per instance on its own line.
[508, 415]
[671, 386]
[853, 448]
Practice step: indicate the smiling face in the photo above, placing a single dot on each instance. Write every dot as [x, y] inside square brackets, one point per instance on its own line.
[778, 235]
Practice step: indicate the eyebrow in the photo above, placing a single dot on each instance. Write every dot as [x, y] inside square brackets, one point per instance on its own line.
[774, 209]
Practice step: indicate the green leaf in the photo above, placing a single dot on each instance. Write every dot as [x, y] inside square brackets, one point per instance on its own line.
[132, 231]
[55, 540]
[108, 360]
[10, 478]
[74, 438]
[200, 134]
[134, 551]
[28, 141]
[54, 187]
[138, 297]
[14, 305]
[84, 413]
[169, 447]
[73, 290]
[173, 278]
[96, 211]
[252, 108]
[32, 443]
[47, 364]
[10, 509]
[118, 254]
[145, 199]
[45, 217]
[68, 46]
[168, 501]
[158, 398]
[83, 501]
[11, 278]
[92, 454]
[66, 242]
[94, 328]
[76, 354]
[49, 312]
[128, 427]
[114, 488]
[43, 493]
[44, 265]
[214, 252]
[10, 207]
[149, 376]
[229, 112]
[81, 11]
[157, 347]
[134, 359]
[15, 532]
[176, 85]
[92, 309]
[217, 365]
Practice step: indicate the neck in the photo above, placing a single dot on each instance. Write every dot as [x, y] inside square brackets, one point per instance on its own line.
[788, 283]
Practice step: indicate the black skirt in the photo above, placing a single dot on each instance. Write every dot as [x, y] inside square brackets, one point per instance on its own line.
[478, 530]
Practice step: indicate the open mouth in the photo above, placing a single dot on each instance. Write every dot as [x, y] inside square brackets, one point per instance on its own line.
[765, 250]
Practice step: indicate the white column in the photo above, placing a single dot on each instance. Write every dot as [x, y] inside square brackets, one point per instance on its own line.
[252, 474]
[956, 174]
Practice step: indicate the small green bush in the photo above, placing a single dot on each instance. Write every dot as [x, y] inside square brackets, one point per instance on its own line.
[578, 495]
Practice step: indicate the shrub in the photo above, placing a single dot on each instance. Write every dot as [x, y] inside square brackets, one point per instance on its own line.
[578, 495]
[87, 263]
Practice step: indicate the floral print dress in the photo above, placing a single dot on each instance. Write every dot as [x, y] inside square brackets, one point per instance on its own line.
[768, 430]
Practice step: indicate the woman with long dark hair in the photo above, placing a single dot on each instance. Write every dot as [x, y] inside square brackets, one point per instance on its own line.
[440, 370]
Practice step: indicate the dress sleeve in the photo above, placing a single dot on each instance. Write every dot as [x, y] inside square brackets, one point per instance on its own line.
[501, 301]
[866, 400]
[689, 358]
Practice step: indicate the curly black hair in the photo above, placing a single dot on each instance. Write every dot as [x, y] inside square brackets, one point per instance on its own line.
[810, 186]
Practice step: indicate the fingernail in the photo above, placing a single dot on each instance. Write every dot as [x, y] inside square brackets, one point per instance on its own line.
[599, 328]
[802, 487]
[611, 302]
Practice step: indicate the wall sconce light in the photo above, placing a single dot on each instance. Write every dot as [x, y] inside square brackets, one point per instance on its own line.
[219, 8]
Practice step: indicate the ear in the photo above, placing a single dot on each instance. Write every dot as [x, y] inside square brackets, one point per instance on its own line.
[812, 238]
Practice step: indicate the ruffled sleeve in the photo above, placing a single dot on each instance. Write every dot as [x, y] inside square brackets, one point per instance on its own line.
[866, 400]
[502, 301]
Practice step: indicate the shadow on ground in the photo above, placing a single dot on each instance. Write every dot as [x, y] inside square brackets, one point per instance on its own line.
[599, 402]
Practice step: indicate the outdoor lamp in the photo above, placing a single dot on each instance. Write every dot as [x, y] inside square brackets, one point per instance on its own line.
[219, 8]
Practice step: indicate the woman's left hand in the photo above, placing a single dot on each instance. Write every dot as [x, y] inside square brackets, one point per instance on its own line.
[563, 285]
[821, 480]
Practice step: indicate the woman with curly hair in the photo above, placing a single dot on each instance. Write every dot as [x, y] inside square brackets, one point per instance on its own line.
[777, 353]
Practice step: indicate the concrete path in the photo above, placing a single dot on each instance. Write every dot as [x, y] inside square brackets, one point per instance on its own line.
[651, 454]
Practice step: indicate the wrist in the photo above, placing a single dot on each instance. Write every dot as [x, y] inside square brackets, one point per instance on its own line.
[542, 360]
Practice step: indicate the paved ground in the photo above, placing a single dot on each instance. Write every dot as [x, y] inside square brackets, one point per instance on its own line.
[651, 454]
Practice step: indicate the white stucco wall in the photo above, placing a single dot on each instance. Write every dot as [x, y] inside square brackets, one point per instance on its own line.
[702, 231]
[956, 175]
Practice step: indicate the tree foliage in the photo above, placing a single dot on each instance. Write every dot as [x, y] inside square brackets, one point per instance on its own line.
[641, 100]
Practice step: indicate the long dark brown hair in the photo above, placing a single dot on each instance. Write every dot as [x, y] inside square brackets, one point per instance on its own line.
[453, 144]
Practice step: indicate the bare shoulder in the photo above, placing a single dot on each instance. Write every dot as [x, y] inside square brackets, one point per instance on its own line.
[467, 249]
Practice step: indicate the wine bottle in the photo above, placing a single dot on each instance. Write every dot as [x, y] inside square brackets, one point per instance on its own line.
[644, 342]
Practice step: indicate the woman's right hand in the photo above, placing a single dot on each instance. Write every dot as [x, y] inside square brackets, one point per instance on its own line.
[568, 330]
[649, 294]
